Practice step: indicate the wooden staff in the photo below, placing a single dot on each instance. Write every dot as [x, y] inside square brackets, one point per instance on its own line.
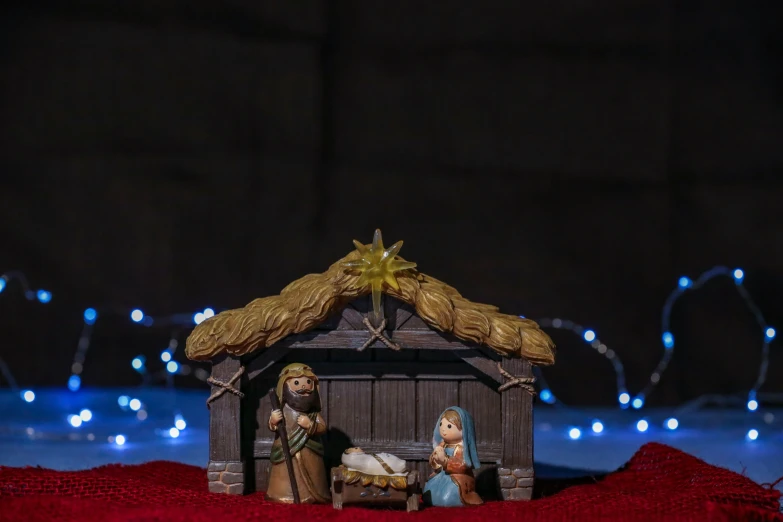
[284, 441]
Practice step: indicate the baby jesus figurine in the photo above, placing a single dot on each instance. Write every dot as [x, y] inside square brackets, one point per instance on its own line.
[453, 459]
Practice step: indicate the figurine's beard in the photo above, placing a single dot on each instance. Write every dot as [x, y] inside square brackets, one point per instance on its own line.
[305, 403]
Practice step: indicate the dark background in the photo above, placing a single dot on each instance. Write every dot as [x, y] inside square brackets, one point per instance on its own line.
[567, 159]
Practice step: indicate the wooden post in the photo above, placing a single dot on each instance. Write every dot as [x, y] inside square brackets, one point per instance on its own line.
[414, 489]
[226, 471]
[515, 473]
[337, 487]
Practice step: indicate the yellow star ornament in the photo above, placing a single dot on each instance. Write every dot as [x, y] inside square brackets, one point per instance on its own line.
[377, 266]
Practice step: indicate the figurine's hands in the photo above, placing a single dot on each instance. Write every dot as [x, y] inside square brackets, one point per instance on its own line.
[439, 456]
[276, 417]
[304, 422]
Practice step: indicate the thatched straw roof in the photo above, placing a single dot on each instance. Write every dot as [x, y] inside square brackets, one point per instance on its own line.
[309, 301]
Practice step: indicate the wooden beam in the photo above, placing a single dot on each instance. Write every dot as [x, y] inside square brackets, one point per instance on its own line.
[488, 453]
[354, 339]
[381, 370]
[517, 418]
[265, 360]
[224, 414]
[480, 362]
[353, 317]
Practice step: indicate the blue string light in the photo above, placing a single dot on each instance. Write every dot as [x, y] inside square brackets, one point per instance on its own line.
[90, 315]
[589, 336]
[138, 363]
[74, 383]
[684, 284]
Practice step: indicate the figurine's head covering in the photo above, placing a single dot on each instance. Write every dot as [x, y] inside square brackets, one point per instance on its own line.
[470, 455]
[295, 370]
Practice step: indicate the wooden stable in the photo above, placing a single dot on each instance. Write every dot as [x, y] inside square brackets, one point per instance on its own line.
[382, 397]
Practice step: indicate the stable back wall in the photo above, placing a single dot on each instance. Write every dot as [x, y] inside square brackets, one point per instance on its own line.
[555, 161]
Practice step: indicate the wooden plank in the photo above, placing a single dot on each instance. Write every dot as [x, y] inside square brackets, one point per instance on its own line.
[310, 357]
[479, 361]
[483, 404]
[249, 408]
[398, 313]
[403, 370]
[336, 321]
[432, 398]
[410, 451]
[413, 322]
[262, 403]
[438, 356]
[343, 324]
[353, 317]
[265, 359]
[396, 356]
[323, 388]
[337, 355]
[517, 415]
[262, 469]
[394, 404]
[423, 467]
[225, 415]
[350, 414]
[354, 339]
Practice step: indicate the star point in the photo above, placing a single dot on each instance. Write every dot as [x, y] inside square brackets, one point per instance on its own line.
[377, 265]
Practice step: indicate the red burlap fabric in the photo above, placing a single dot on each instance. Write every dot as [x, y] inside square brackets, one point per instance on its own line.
[659, 483]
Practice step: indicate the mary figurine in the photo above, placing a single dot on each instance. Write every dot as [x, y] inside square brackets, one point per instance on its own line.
[453, 459]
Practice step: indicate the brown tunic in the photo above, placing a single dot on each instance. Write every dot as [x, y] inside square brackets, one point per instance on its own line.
[308, 466]
[460, 474]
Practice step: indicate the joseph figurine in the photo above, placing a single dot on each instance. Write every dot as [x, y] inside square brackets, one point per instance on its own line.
[298, 392]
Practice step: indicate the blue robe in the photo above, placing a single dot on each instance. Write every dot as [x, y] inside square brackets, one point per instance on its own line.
[442, 490]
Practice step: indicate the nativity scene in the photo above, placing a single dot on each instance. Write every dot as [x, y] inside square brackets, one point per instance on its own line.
[327, 393]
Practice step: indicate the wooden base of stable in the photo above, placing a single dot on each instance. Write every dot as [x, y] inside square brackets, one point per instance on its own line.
[368, 496]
